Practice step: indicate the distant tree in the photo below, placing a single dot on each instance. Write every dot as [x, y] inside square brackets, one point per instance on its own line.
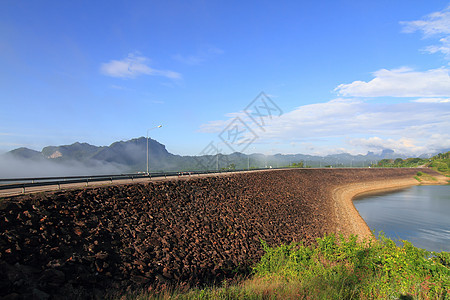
[385, 162]
[298, 165]
[398, 161]
[442, 167]
[415, 160]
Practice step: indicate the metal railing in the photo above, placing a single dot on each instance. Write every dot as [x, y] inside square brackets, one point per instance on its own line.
[26, 182]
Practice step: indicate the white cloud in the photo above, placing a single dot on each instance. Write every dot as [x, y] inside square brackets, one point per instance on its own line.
[347, 119]
[205, 53]
[431, 24]
[433, 100]
[439, 141]
[444, 48]
[434, 24]
[417, 127]
[401, 145]
[403, 82]
[409, 146]
[132, 66]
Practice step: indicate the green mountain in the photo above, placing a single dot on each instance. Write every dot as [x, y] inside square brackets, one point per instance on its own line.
[131, 156]
[78, 151]
[25, 153]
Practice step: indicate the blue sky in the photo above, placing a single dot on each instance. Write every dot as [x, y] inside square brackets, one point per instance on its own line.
[347, 76]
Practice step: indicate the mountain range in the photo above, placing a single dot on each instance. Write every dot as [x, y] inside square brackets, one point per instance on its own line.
[130, 156]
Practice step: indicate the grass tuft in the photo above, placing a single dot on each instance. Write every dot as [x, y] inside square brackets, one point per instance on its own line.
[337, 268]
[422, 176]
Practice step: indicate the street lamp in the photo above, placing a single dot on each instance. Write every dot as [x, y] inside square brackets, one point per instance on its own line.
[248, 160]
[217, 156]
[159, 126]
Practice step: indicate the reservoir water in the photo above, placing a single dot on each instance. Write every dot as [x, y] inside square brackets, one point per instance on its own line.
[419, 214]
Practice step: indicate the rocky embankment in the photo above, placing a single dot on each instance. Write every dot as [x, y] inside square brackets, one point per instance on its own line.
[97, 241]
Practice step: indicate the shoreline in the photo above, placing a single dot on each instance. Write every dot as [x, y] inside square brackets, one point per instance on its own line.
[348, 219]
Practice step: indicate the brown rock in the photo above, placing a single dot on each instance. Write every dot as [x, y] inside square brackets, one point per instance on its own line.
[140, 279]
[78, 231]
[101, 255]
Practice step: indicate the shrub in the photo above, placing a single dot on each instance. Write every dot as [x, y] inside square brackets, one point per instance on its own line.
[338, 268]
[344, 268]
[442, 167]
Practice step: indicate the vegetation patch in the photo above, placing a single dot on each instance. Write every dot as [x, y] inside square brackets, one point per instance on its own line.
[403, 163]
[440, 163]
[337, 268]
[422, 176]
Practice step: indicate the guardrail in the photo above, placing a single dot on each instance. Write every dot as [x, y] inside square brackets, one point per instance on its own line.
[23, 183]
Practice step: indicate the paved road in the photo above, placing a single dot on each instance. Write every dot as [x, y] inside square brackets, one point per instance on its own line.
[62, 187]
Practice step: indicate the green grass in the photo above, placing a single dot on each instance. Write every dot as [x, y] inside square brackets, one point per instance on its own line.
[336, 268]
[422, 176]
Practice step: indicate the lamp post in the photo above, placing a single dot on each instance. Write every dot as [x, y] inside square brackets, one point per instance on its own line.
[217, 157]
[248, 159]
[159, 126]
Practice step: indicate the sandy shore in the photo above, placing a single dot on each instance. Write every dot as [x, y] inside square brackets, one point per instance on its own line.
[348, 219]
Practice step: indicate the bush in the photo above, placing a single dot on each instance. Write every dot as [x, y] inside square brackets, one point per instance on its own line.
[342, 268]
[337, 268]
[442, 167]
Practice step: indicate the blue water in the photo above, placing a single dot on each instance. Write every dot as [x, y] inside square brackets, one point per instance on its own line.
[419, 214]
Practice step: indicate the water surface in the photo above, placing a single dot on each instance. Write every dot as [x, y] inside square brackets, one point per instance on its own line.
[419, 214]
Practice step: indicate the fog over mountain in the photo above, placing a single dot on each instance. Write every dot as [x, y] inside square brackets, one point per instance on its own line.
[130, 157]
